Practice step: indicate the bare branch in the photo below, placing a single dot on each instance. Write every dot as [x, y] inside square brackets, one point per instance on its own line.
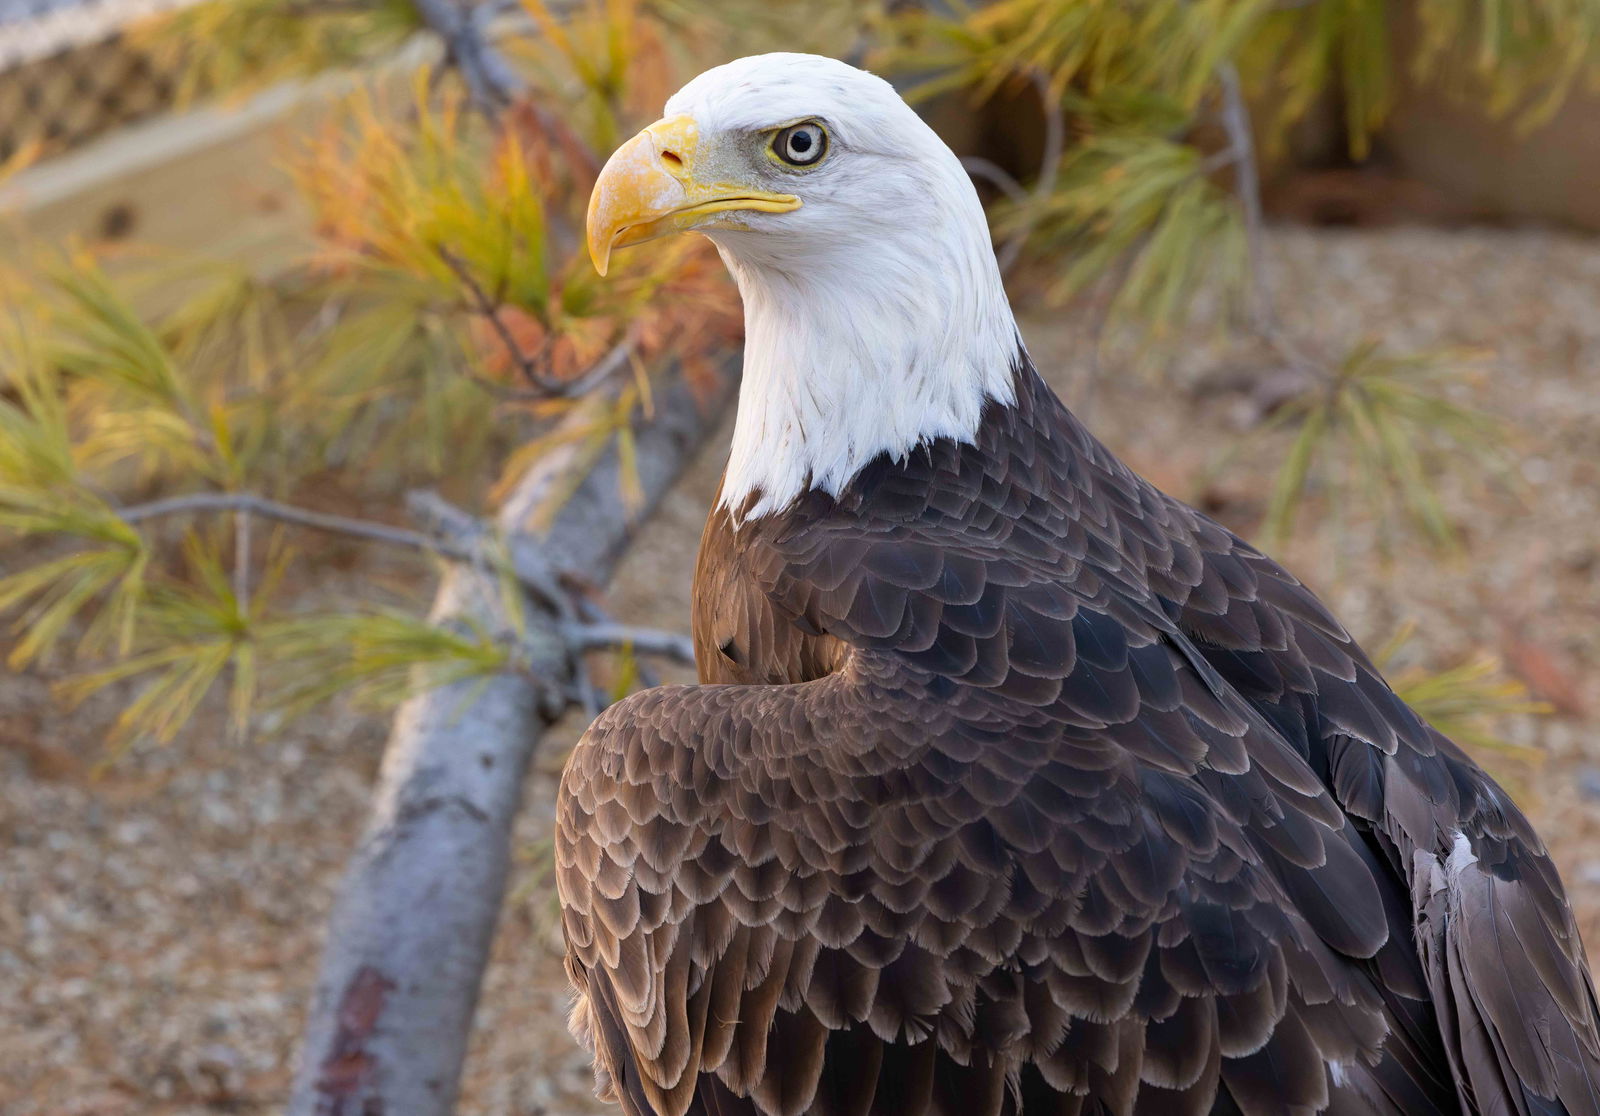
[468, 534]
[644, 641]
[241, 559]
[491, 81]
[544, 387]
[1304, 372]
[995, 175]
[249, 502]
[590, 611]
[1246, 184]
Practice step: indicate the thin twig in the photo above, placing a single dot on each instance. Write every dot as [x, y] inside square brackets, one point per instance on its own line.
[471, 535]
[288, 513]
[995, 175]
[590, 612]
[1241, 153]
[544, 387]
[490, 310]
[644, 641]
[241, 560]
[1246, 184]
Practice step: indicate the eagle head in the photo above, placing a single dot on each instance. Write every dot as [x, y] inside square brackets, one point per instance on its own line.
[874, 312]
[779, 158]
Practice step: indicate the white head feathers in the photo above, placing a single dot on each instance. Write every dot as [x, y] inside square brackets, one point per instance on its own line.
[875, 317]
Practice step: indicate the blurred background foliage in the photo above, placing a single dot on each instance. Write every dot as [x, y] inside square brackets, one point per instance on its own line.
[164, 472]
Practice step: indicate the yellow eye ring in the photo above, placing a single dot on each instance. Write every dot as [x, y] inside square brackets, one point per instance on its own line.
[800, 145]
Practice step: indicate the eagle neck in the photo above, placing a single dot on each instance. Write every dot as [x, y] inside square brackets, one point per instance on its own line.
[844, 364]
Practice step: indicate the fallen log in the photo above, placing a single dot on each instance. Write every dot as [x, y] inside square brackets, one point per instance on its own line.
[415, 915]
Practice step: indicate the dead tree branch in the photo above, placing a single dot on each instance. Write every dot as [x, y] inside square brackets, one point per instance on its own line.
[644, 641]
[415, 915]
[250, 503]
[413, 919]
[491, 81]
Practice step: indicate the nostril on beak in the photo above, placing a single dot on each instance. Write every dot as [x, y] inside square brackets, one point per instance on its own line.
[673, 160]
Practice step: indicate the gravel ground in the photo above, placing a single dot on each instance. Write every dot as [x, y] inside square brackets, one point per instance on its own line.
[160, 920]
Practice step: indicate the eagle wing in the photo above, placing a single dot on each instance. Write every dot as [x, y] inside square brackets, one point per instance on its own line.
[738, 636]
[1092, 808]
[1505, 967]
[1038, 851]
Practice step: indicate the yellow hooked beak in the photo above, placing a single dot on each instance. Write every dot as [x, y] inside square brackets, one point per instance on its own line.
[650, 187]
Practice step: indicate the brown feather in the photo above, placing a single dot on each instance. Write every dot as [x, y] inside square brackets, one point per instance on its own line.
[1017, 786]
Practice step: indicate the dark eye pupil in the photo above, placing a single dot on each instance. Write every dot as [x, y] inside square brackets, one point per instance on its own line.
[800, 145]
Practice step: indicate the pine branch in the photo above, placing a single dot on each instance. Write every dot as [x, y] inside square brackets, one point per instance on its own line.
[467, 544]
[456, 534]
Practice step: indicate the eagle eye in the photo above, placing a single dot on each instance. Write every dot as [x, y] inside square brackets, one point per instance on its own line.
[801, 145]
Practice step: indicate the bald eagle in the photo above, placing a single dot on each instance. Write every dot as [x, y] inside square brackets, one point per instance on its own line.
[1013, 784]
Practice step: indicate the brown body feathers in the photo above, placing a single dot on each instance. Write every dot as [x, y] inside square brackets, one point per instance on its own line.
[1020, 787]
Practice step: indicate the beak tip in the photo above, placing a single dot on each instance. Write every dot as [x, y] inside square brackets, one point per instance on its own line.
[597, 237]
[636, 195]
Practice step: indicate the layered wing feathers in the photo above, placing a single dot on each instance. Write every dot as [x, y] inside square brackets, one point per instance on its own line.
[1072, 803]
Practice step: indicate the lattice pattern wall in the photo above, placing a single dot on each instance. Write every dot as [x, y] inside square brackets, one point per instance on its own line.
[67, 73]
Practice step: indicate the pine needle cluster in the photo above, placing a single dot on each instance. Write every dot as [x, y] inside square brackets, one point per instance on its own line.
[168, 479]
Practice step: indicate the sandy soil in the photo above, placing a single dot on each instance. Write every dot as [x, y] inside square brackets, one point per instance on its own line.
[159, 926]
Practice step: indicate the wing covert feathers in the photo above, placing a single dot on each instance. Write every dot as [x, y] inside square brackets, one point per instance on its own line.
[1025, 788]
